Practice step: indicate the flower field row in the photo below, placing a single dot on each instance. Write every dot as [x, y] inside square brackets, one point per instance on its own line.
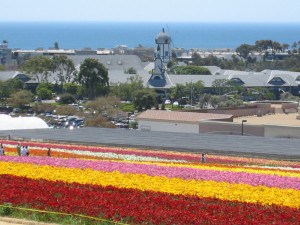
[150, 187]
[139, 207]
[201, 188]
[96, 152]
[281, 179]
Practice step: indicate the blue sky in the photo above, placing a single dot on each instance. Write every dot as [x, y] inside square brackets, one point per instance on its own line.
[261, 11]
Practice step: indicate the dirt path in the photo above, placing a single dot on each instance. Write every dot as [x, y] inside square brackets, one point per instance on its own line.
[13, 221]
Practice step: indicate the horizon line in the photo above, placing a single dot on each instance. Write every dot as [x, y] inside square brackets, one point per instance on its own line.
[170, 22]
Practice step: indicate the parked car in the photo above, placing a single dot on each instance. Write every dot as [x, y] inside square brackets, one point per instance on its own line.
[168, 101]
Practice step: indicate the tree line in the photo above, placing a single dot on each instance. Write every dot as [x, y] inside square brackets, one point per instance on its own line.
[246, 60]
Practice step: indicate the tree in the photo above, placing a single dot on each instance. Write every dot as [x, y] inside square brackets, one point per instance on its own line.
[38, 67]
[276, 46]
[93, 76]
[144, 99]
[107, 104]
[264, 45]
[4, 92]
[64, 69]
[13, 85]
[8, 87]
[244, 50]
[285, 47]
[44, 91]
[204, 100]
[125, 91]
[215, 101]
[177, 92]
[20, 99]
[71, 88]
[219, 85]
[194, 90]
[131, 70]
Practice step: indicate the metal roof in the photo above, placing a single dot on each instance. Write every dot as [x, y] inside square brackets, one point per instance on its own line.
[117, 64]
[5, 75]
[111, 62]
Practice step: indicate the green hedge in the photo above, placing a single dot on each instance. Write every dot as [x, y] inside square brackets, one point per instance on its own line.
[194, 70]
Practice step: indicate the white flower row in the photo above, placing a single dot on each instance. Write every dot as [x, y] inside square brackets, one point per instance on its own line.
[111, 155]
[276, 167]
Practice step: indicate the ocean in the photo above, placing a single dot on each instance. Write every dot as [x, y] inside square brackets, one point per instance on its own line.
[79, 35]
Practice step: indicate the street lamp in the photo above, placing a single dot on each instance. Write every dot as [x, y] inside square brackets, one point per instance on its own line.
[243, 121]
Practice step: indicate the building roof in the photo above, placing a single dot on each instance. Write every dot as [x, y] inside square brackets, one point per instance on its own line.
[5, 75]
[111, 62]
[180, 116]
[119, 76]
[118, 64]
[250, 79]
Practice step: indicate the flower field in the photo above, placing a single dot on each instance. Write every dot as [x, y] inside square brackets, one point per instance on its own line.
[150, 186]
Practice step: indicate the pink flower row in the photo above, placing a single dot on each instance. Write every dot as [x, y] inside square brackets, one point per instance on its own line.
[171, 172]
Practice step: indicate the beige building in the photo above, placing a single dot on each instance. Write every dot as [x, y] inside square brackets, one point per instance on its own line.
[174, 121]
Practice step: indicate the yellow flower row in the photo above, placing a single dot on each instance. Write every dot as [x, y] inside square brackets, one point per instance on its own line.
[220, 190]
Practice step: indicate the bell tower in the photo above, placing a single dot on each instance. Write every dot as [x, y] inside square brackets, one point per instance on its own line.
[163, 42]
[159, 79]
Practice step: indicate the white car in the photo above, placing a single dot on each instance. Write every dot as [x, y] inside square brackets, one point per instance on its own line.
[168, 102]
[176, 103]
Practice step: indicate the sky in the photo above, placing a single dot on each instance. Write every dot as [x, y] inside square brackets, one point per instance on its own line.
[253, 11]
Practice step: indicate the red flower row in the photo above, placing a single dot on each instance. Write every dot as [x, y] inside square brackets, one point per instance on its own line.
[140, 207]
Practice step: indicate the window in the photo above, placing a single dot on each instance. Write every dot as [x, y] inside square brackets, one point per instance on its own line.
[277, 81]
[237, 81]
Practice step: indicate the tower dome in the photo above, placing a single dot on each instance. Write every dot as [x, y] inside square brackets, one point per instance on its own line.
[163, 38]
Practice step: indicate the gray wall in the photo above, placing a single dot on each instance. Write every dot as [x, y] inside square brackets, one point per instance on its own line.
[170, 126]
[282, 131]
[214, 127]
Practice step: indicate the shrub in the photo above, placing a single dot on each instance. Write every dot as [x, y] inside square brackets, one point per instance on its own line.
[127, 107]
[99, 121]
[44, 90]
[67, 99]
[195, 70]
[65, 110]
[6, 210]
